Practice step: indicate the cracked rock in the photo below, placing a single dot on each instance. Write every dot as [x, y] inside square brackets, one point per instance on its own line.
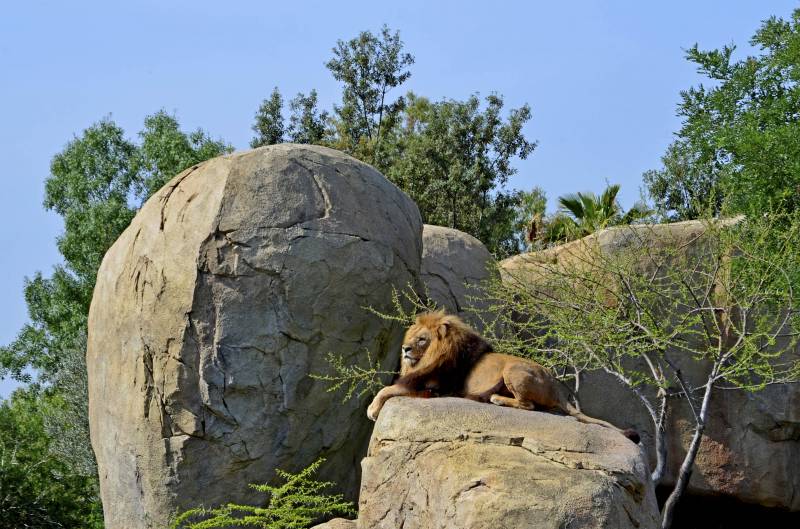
[229, 288]
[450, 463]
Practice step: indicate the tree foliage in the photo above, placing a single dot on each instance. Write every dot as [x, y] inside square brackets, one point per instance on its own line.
[295, 504]
[269, 125]
[307, 124]
[739, 143]
[529, 214]
[369, 67]
[454, 159]
[97, 183]
[37, 489]
[165, 151]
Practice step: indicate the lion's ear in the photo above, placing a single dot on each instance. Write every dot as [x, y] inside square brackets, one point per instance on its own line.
[442, 330]
[444, 326]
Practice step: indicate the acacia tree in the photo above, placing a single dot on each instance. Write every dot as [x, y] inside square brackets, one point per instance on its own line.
[642, 308]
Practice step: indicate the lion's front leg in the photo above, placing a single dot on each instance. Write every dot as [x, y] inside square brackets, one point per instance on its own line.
[383, 395]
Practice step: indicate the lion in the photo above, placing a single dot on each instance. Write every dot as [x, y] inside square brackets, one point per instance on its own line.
[442, 355]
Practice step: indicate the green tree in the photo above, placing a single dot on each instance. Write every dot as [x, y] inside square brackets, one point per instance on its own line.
[739, 144]
[89, 187]
[454, 159]
[165, 150]
[37, 489]
[369, 67]
[269, 125]
[306, 123]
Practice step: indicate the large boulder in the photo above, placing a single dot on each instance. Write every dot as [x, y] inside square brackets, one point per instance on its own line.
[454, 266]
[751, 447]
[228, 289]
[452, 463]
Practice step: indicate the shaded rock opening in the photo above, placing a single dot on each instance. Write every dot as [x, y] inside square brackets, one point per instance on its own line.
[725, 512]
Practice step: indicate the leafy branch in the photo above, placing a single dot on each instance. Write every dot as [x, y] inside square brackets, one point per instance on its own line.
[295, 504]
[357, 380]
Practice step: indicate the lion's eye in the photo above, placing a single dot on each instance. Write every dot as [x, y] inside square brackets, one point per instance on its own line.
[421, 341]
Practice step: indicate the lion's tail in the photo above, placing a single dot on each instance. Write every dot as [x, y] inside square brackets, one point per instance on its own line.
[631, 434]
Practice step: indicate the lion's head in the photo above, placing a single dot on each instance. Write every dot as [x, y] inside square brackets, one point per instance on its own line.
[434, 340]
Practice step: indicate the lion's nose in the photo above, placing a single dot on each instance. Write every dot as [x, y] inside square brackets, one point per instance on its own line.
[406, 349]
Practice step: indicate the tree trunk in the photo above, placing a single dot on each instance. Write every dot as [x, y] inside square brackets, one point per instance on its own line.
[661, 445]
[685, 472]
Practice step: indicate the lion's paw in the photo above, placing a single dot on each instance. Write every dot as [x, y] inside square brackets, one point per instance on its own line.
[373, 410]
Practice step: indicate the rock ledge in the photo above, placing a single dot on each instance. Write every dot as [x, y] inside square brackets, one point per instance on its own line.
[453, 463]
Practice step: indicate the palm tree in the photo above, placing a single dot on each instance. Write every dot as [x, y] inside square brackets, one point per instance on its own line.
[585, 213]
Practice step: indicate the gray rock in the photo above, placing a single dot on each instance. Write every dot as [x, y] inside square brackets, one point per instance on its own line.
[454, 265]
[452, 463]
[229, 287]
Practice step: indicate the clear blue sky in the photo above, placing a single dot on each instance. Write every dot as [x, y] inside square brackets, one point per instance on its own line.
[602, 78]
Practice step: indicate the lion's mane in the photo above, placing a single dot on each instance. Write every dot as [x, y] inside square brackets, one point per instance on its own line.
[454, 349]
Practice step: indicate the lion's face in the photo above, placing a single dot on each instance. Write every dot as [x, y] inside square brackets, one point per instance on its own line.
[417, 340]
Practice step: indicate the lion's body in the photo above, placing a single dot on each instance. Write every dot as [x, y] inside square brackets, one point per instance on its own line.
[444, 356]
[507, 376]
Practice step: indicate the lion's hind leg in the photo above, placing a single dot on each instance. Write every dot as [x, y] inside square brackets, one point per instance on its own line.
[510, 402]
[517, 380]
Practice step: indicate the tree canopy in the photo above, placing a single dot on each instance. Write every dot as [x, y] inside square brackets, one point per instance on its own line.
[37, 489]
[738, 149]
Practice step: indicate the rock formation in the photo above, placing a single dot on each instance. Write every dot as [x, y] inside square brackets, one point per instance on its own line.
[751, 449]
[454, 264]
[452, 463]
[229, 287]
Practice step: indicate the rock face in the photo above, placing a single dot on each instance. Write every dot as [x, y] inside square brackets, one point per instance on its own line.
[452, 463]
[454, 264]
[337, 523]
[229, 287]
[751, 448]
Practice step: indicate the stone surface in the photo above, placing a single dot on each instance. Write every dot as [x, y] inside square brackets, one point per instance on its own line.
[452, 463]
[337, 523]
[751, 449]
[454, 264]
[229, 287]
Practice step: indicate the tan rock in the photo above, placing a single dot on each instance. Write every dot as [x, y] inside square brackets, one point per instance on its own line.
[452, 463]
[229, 287]
[337, 523]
